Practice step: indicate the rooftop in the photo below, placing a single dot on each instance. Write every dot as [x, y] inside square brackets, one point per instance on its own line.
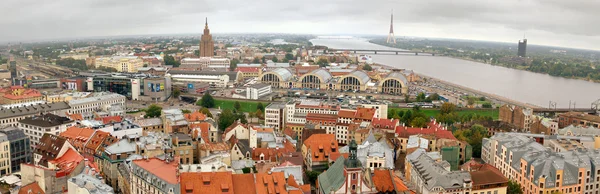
[162, 169]
[34, 109]
[92, 184]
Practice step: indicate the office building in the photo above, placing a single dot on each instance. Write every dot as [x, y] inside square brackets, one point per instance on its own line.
[121, 63]
[215, 79]
[205, 63]
[275, 115]
[36, 126]
[522, 48]
[156, 89]
[20, 148]
[207, 45]
[254, 92]
[127, 86]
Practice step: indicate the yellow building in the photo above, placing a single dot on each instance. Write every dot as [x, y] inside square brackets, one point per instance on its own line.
[121, 63]
[4, 155]
[18, 95]
[67, 97]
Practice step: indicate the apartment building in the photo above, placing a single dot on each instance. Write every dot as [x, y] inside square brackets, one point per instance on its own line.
[155, 175]
[275, 115]
[19, 95]
[36, 126]
[121, 63]
[541, 170]
[20, 148]
[5, 167]
[518, 116]
[577, 119]
[206, 63]
[431, 175]
[95, 103]
[12, 116]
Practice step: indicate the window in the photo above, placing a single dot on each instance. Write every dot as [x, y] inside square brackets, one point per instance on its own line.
[354, 175]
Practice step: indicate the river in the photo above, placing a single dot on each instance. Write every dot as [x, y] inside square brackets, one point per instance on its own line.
[519, 85]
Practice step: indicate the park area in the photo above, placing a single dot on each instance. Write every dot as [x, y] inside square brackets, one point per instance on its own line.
[481, 112]
[228, 104]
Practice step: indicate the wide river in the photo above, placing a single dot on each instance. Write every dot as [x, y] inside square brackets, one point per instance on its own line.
[523, 86]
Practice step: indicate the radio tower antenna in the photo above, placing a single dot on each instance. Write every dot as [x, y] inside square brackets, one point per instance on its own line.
[391, 38]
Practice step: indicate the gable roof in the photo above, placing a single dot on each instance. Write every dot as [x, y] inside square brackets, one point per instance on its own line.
[194, 116]
[206, 182]
[49, 147]
[160, 168]
[266, 183]
[67, 162]
[243, 183]
[333, 178]
[321, 145]
[31, 188]
[382, 180]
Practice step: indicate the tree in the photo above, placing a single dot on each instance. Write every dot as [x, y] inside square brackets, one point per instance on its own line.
[406, 98]
[264, 60]
[226, 119]
[289, 56]
[470, 101]
[256, 60]
[186, 111]
[447, 108]
[433, 97]
[406, 118]
[170, 60]
[153, 111]
[367, 67]
[421, 97]
[260, 106]
[419, 122]
[474, 136]
[237, 106]
[312, 176]
[322, 62]
[207, 101]
[514, 188]
[176, 92]
[259, 114]
[251, 115]
[275, 60]
[233, 64]
[206, 112]
[486, 105]
[242, 117]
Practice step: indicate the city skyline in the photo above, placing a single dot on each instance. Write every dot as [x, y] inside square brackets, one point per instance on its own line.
[465, 19]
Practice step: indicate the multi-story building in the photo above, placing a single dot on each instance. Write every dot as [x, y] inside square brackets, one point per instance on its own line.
[19, 95]
[257, 91]
[325, 121]
[88, 184]
[121, 63]
[205, 63]
[542, 125]
[518, 116]
[20, 148]
[275, 115]
[96, 102]
[36, 126]
[432, 175]
[541, 170]
[5, 166]
[129, 87]
[578, 118]
[67, 97]
[155, 175]
[346, 176]
[316, 150]
[12, 116]
[183, 148]
[216, 79]
[112, 156]
[151, 125]
[156, 89]
[373, 154]
[207, 45]
[77, 136]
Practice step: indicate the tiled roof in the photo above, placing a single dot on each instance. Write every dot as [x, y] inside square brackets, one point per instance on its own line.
[77, 136]
[67, 162]
[322, 117]
[31, 188]
[400, 186]
[195, 116]
[433, 129]
[18, 92]
[333, 178]
[267, 183]
[49, 147]
[206, 182]
[75, 117]
[110, 119]
[200, 130]
[160, 168]
[384, 123]
[248, 69]
[243, 183]
[382, 180]
[215, 146]
[487, 175]
[321, 145]
[99, 138]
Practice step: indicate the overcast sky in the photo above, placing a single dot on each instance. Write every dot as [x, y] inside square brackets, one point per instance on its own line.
[567, 23]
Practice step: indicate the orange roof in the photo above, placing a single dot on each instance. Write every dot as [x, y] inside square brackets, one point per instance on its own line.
[365, 113]
[76, 117]
[18, 92]
[321, 117]
[67, 162]
[385, 123]
[162, 169]
[291, 181]
[346, 113]
[243, 183]
[215, 146]
[99, 138]
[321, 146]
[206, 182]
[267, 183]
[271, 154]
[77, 136]
[400, 186]
[110, 119]
[31, 188]
[195, 116]
[382, 179]
[335, 155]
[262, 129]
[200, 129]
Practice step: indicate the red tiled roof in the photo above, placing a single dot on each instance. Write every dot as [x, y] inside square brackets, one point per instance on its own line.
[248, 69]
[400, 186]
[67, 162]
[194, 117]
[161, 169]
[243, 183]
[321, 145]
[206, 182]
[433, 129]
[385, 123]
[487, 175]
[18, 92]
[346, 113]
[99, 138]
[267, 183]
[31, 188]
[321, 117]
[77, 136]
[110, 119]
[359, 113]
[200, 130]
[382, 180]
[75, 117]
[335, 155]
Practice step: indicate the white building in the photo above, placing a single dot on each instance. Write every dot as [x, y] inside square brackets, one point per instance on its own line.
[216, 79]
[275, 115]
[35, 127]
[88, 184]
[257, 91]
[374, 154]
[97, 102]
[206, 62]
[381, 109]
[120, 63]
[12, 116]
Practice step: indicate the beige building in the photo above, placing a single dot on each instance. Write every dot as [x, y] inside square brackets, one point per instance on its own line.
[4, 155]
[121, 63]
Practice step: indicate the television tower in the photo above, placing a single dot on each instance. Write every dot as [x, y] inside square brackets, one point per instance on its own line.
[391, 37]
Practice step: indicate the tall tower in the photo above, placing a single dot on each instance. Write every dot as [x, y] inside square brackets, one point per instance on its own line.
[207, 45]
[391, 37]
[521, 52]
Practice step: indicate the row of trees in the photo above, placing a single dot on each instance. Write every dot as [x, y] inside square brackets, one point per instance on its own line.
[229, 116]
[414, 117]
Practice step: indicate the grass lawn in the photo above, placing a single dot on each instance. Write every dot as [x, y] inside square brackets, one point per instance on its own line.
[434, 112]
[228, 104]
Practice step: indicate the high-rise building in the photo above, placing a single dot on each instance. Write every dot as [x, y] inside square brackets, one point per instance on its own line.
[207, 45]
[522, 48]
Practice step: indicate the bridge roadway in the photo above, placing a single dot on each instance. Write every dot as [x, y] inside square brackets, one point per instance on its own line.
[379, 51]
[334, 94]
[562, 110]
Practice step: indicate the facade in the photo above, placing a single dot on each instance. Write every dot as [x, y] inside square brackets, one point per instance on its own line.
[20, 148]
[183, 147]
[128, 87]
[539, 169]
[278, 78]
[578, 119]
[275, 115]
[257, 91]
[19, 95]
[113, 155]
[121, 63]
[155, 175]
[204, 63]
[215, 79]
[75, 84]
[374, 154]
[207, 45]
[12, 116]
[35, 127]
[430, 176]
[346, 176]
[521, 117]
[317, 149]
[156, 89]
[95, 103]
[249, 72]
[5, 166]
[522, 48]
